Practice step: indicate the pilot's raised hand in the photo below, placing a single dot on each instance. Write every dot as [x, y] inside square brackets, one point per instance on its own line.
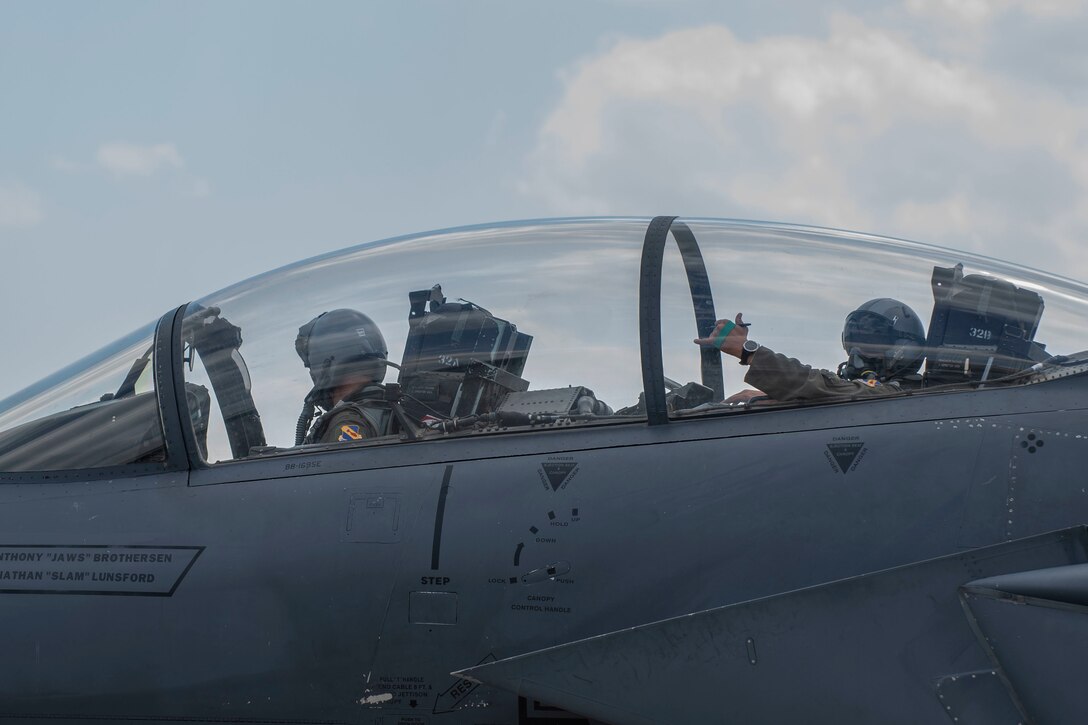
[727, 336]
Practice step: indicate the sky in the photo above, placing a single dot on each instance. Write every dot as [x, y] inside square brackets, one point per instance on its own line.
[153, 152]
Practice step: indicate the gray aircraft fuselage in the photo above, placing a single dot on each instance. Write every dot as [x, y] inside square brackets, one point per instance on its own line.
[346, 585]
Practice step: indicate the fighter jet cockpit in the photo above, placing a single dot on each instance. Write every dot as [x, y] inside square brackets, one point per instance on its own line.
[542, 326]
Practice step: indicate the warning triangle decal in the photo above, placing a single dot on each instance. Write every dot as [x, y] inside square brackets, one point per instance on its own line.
[845, 453]
[557, 473]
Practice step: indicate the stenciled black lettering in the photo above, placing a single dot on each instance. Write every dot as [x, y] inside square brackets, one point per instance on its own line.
[22, 575]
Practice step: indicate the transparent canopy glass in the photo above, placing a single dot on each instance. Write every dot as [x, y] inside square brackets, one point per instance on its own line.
[796, 285]
[572, 286]
[99, 412]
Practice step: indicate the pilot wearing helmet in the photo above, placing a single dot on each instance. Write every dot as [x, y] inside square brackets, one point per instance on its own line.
[346, 355]
[884, 341]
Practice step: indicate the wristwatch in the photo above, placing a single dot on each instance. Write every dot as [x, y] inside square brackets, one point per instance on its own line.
[746, 350]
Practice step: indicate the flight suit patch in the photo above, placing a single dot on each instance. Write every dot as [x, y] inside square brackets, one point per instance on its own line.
[350, 433]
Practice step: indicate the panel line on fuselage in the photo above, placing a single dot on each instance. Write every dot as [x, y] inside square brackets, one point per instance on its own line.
[436, 547]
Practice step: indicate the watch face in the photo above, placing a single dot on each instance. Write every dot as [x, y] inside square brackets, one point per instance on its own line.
[750, 345]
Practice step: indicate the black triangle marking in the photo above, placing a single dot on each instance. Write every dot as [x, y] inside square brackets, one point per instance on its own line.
[845, 453]
[557, 473]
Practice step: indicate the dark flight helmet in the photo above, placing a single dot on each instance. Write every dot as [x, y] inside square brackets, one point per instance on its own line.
[337, 346]
[884, 337]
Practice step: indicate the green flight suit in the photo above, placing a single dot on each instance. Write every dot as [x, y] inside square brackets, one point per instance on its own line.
[787, 379]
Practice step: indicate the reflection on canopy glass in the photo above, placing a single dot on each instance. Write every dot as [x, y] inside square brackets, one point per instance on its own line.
[99, 412]
[524, 314]
[536, 324]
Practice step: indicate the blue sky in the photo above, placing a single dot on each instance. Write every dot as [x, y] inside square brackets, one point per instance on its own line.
[154, 152]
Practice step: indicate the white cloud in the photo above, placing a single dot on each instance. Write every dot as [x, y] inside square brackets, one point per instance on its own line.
[19, 206]
[859, 129]
[125, 159]
[708, 70]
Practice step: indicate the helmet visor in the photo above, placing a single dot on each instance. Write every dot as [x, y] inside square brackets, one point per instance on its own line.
[869, 333]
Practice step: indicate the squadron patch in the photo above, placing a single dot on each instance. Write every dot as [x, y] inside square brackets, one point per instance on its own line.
[350, 432]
